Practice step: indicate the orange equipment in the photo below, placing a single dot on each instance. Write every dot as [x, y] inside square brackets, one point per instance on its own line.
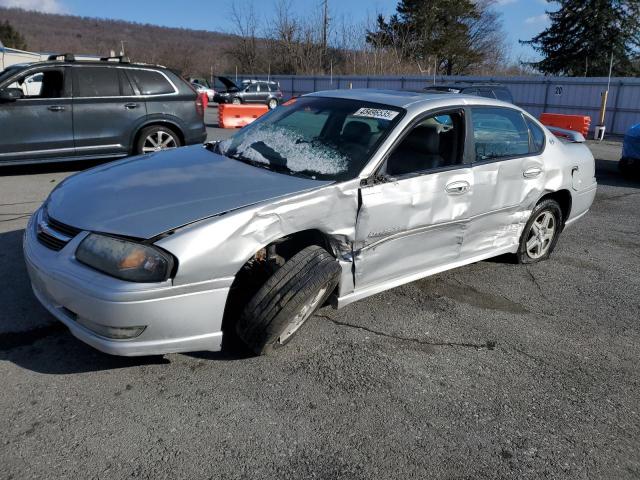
[577, 123]
[237, 116]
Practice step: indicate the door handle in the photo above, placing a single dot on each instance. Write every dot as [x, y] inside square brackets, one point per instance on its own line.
[457, 188]
[56, 108]
[532, 172]
[130, 106]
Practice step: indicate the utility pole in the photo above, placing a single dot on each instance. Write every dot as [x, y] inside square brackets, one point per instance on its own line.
[325, 31]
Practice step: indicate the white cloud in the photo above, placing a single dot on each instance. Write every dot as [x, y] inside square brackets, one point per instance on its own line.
[537, 19]
[47, 6]
[504, 2]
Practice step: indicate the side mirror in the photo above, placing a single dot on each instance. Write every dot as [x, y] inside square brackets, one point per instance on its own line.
[10, 95]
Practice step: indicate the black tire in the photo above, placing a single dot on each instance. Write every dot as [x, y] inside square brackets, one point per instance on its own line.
[152, 131]
[546, 206]
[305, 281]
[272, 103]
[236, 101]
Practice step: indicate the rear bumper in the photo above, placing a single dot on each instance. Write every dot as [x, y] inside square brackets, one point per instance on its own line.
[176, 318]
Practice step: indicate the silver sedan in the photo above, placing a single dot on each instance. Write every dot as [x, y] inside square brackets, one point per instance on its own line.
[327, 199]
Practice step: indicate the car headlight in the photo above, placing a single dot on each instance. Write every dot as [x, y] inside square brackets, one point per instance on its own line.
[124, 259]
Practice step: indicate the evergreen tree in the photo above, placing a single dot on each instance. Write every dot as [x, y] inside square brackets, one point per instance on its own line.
[424, 30]
[11, 38]
[585, 33]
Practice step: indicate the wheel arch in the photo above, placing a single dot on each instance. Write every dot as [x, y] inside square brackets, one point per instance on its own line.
[564, 199]
[157, 122]
[264, 262]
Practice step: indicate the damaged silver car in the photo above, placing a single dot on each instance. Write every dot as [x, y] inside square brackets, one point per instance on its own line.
[327, 199]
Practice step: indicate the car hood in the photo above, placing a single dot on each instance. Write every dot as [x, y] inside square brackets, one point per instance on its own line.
[145, 196]
[230, 84]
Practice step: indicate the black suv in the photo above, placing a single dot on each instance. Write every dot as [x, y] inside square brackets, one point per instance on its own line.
[249, 91]
[64, 109]
[488, 90]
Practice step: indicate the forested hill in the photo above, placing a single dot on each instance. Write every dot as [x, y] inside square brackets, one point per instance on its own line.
[190, 51]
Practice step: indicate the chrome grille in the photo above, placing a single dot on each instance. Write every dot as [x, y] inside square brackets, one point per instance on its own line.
[53, 234]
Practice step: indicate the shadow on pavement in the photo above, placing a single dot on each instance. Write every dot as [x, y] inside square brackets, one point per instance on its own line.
[607, 173]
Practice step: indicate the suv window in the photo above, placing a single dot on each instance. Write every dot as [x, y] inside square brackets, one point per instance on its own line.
[435, 142]
[499, 133]
[96, 82]
[150, 82]
[264, 87]
[252, 88]
[47, 83]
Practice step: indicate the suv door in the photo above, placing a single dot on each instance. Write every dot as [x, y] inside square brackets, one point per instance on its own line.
[508, 177]
[38, 125]
[412, 223]
[251, 94]
[106, 110]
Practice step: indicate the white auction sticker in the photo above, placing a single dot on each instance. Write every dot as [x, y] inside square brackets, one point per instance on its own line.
[376, 113]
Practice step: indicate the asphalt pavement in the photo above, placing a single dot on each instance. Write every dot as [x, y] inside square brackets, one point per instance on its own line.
[493, 370]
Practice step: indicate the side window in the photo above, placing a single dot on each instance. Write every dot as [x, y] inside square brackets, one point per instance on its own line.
[96, 82]
[43, 84]
[537, 136]
[150, 82]
[252, 88]
[486, 92]
[503, 94]
[499, 133]
[264, 87]
[125, 85]
[436, 142]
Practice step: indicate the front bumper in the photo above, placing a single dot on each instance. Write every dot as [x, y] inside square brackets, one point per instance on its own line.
[177, 318]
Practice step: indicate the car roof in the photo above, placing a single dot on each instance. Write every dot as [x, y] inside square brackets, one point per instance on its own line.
[91, 63]
[409, 99]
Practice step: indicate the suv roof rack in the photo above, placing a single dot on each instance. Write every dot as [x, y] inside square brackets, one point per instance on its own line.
[120, 58]
[68, 57]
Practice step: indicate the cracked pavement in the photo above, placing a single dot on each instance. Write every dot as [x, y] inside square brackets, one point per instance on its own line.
[493, 370]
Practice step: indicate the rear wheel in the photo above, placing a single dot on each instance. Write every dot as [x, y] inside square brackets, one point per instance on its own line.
[155, 139]
[236, 101]
[292, 294]
[541, 232]
[272, 103]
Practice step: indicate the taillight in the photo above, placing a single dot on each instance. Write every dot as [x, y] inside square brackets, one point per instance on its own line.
[199, 105]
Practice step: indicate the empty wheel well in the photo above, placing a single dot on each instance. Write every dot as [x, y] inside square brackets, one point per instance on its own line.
[563, 197]
[174, 128]
[264, 263]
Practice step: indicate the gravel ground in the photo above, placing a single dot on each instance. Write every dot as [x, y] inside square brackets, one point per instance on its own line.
[492, 370]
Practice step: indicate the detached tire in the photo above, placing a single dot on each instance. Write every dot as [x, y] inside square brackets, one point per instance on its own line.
[541, 232]
[288, 299]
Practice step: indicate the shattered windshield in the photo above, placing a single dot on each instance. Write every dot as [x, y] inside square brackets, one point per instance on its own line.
[314, 137]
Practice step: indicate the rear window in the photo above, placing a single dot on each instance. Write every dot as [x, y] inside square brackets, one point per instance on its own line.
[96, 82]
[150, 82]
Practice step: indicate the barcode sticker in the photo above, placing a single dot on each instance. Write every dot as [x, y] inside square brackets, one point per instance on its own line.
[376, 113]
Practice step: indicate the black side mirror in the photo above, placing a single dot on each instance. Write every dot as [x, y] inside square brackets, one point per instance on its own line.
[10, 95]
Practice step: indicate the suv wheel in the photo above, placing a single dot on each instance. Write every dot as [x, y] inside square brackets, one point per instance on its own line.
[272, 103]
[155, 139]
[236, 101]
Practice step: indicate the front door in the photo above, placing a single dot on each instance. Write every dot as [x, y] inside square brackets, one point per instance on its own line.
[106, 110]
[508, 177]
[411, 222]
[38, 125]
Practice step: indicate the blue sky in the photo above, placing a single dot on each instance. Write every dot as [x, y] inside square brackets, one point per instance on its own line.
[522, 18]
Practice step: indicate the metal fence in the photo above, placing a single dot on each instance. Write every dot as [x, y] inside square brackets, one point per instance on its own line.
[569, 95]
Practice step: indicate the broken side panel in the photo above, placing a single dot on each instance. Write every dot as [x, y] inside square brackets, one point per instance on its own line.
[411, 225]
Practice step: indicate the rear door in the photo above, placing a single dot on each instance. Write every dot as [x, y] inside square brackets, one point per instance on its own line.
[39, 125]
[508, 177]
[106, 110]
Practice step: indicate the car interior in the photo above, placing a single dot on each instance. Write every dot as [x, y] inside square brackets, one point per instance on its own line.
[436, 142]
[51, 84]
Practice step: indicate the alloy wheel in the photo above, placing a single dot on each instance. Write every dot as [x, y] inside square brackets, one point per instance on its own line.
[157, 141]
[541, 234]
